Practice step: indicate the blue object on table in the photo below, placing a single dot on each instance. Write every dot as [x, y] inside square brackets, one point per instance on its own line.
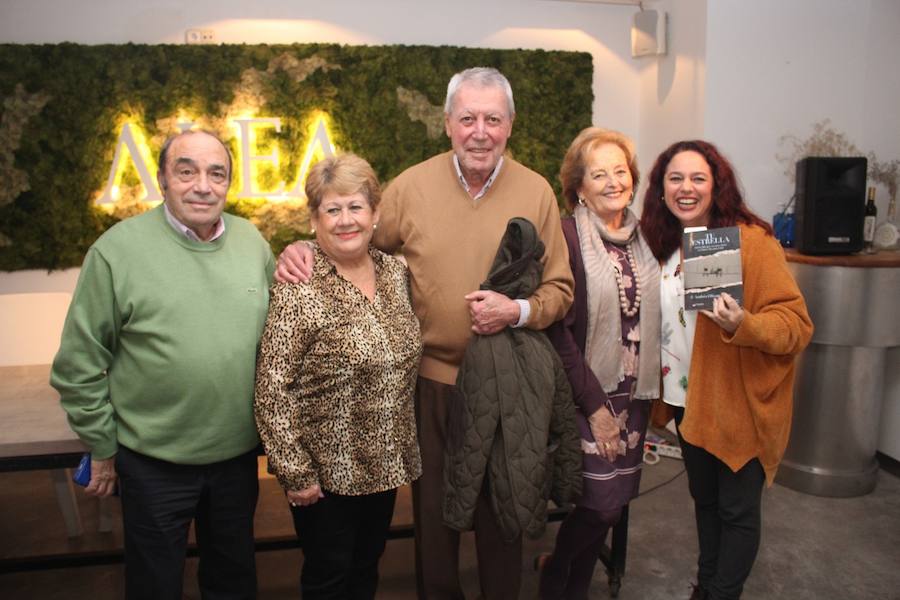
[82, 475]
[783, 224]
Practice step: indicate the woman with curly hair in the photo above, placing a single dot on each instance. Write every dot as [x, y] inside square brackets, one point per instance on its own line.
[728, 372]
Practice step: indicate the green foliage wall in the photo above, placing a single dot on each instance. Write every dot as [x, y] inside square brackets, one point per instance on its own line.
[63, 106]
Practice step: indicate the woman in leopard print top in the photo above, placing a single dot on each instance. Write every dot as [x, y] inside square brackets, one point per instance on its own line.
[334, 385]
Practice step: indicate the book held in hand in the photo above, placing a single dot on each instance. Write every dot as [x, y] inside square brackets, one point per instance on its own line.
[711, 265]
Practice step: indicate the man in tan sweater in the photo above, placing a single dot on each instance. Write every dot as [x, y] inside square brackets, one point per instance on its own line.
[447, 215]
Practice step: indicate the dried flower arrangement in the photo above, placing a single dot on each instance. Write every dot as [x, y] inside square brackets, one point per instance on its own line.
[827, 141]
[886, 173]
[823, 141]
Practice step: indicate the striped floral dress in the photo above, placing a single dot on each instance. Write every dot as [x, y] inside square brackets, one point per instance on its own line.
[608, 486]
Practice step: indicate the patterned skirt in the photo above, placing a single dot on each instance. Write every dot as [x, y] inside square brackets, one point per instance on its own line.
[610, 485]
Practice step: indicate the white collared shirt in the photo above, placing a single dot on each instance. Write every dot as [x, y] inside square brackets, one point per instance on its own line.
[487, 184]
[188, 232]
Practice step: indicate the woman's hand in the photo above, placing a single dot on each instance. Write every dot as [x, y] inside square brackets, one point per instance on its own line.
[294, 264]
[305, 497]
[726, 313]
[605, 430]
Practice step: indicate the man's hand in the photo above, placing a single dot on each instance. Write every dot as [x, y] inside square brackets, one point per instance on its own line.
[295, 264]
[491, 312]
[605, 430]
[305, 497]
[726, 313]
[103, 478]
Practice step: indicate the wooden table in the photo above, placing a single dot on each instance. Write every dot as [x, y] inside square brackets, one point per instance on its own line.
[35, 434]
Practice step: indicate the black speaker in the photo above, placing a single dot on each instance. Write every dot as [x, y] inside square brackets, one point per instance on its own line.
[831, 194]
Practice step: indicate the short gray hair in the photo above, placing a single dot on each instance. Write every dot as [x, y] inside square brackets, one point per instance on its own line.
[483, 77]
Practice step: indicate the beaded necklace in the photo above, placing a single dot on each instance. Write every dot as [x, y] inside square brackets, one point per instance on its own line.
[623, 298]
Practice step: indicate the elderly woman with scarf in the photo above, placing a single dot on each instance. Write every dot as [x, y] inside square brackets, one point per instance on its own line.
[609, 345]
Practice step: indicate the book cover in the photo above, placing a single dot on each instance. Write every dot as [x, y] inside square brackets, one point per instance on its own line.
[711, 265]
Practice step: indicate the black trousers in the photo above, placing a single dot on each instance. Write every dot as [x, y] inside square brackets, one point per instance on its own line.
[727, 506]
[343, 538]
[159, 501]
[568, 572]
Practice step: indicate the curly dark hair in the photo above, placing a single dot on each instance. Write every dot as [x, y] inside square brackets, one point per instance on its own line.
[663, 230]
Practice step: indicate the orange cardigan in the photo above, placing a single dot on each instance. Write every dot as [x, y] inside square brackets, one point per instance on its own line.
[739, 401]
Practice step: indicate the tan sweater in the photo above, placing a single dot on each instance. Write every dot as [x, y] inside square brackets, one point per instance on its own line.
[450, 240]
[739, 400]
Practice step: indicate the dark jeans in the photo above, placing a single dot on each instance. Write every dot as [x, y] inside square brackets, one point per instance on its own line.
[568, 572]
[159, 501]
[727, 507]
[343, 538]
[437, 546]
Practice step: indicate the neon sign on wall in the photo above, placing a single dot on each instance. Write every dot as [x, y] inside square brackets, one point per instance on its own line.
[131, 144]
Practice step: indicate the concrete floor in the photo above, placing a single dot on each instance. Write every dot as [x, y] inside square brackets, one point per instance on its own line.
[812, 548]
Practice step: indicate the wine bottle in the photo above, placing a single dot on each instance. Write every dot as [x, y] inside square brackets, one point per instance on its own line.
[869, 222]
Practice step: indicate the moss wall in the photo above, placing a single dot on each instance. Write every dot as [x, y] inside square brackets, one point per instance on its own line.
[63, 107]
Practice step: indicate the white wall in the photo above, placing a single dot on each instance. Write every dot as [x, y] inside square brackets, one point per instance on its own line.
[775, 68]
[743, 74]
[602, 30]
[673, 87]
[880, 128]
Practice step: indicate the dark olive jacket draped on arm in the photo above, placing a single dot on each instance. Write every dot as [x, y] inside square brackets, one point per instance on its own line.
[513, 418]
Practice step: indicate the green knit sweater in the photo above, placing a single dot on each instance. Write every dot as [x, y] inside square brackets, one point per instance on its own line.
[158, 351]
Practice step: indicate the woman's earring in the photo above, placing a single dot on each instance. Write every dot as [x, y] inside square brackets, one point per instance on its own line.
[580, 201]
[374, 226]
[312, 231]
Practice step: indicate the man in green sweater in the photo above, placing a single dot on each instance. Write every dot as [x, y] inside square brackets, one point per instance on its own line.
[156, 369]
[447, 216]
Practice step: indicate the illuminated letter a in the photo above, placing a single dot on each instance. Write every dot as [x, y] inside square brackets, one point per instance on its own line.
[126, 138]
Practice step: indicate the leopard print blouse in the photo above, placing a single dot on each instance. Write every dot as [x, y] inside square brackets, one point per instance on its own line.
[335, 379]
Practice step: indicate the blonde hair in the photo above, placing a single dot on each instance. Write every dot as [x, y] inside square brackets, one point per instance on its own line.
[344, 175]
[571, 174]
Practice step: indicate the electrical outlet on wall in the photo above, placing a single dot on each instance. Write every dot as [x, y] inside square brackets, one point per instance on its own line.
[199, 36]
